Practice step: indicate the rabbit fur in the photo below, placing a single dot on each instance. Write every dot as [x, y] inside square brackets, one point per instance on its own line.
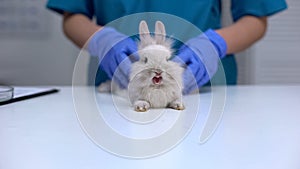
[155, 81]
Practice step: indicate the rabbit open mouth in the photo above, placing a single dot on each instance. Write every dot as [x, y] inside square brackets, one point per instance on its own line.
[157, 80]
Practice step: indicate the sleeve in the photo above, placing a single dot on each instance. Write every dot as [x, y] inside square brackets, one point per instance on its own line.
[259, 8]
[73, 6]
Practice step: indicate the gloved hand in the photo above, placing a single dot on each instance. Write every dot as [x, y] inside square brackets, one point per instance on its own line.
[200, 55]
[112, 47]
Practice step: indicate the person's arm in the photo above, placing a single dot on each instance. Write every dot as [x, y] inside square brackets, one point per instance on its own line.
[243, 33]
[79, 28]
[201, 53]
[108, 45]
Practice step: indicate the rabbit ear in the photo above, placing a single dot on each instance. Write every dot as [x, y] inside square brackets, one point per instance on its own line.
[160, 32]
[144, 31]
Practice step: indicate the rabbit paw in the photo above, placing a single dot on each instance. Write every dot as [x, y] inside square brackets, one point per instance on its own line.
[105, 87]
[177, 105]
[141, 106]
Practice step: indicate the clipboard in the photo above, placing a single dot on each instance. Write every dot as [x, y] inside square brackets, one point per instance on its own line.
[24, 93]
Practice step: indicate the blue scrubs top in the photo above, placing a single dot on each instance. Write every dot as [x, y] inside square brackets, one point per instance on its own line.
[204, 14]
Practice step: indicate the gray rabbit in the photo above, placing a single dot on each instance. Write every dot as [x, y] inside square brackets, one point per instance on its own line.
[155, 81]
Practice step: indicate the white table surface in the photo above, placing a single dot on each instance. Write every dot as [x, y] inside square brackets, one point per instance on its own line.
[260, 129]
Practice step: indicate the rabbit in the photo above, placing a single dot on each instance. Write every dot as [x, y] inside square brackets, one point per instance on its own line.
[155, 81]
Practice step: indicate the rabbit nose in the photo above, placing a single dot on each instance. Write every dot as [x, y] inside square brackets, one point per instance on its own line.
[157, 73]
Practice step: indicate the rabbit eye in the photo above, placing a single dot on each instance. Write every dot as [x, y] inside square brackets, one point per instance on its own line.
[145, 60]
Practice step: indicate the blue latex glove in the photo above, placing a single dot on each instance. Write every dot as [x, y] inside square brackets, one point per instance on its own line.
[113, 50]
[200, 56]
